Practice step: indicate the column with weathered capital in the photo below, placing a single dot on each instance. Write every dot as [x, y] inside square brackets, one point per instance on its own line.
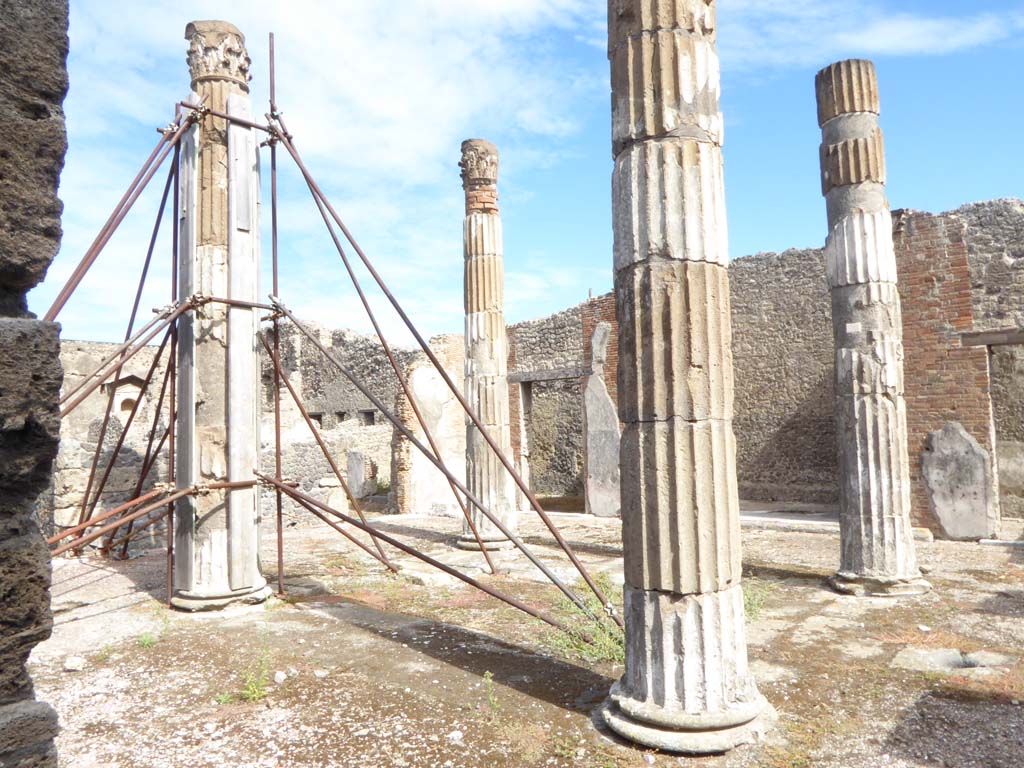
[871, 420]
[486, 345]
[686, 685]
[216, 532]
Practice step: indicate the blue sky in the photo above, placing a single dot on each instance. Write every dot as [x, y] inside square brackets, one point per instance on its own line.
[379, 97]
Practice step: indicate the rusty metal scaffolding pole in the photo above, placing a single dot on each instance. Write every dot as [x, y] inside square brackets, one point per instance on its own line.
[84, 513]
[343, 532]
[147, 461]
[121, 350]
[436, 462]
[125, 540]
[116, 218]
[398, 374]
[87, 513]
[104, 516]
[609, 608]
[276, 354]
[129, 354]
[298, 495]
[172, 478]
[279, 376]
[82, 541]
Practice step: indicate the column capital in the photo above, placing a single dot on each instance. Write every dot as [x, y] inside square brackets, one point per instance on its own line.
[479, 166]
[217, 51]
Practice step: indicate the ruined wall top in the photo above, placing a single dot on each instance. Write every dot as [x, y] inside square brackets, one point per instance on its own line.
[479, 166]
[846, 87]
[217, 51]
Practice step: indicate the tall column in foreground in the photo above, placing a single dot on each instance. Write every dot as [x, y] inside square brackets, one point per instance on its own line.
[216, 532]
[486, 345]
[686, 685]
[871, 419]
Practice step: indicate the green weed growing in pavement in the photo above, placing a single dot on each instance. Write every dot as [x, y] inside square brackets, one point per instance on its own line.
[586, 639]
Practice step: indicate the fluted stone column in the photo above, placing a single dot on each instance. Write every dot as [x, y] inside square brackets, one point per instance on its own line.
[486, 345]
[686, 685]
[216, 532]
[871, 420]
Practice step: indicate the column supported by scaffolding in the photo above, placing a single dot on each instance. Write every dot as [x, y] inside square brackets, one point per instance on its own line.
[216, 531]
[876, 538]
[686, 686]
[486, 346]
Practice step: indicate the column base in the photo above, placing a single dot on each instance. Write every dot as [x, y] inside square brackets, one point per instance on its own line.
[190, 601]
[470, 543]
[871, 586]
[694, 734]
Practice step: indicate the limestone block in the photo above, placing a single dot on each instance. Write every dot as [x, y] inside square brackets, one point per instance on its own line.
[680, 506]
[669, 203]
[665, 83]
[417, 486]
[876, 533]
[865, 313]
[686, 665]
[601, 434]
[675, 341]
[876, 369]
[30, 381]
[484, 271]
[853, 161]
[24, 600]
[845, 87]
[33, 81]
[860, 249]
[627, 18]
[958, 475]
[361, 474]
[26, 727]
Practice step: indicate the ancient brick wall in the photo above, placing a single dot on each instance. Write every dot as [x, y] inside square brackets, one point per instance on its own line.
[602, 310]
[783, 361]
[944, 380]
[33, 81]
[995, 246]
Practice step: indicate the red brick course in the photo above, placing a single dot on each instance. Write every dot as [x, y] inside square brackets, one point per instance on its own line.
[944, 380]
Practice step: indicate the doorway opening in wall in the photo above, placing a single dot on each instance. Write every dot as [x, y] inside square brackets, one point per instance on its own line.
[552, 422]
[1007, 382]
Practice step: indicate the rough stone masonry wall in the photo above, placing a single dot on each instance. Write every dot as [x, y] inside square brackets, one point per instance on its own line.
[60, 506]
[783, 358]
[555, 436]
[347, 419]
[995, 244]
[33, 81]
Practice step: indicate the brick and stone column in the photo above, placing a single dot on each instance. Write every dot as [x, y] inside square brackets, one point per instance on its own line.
[871, 419]
[486, 345]
[686, 685]
[216, 533]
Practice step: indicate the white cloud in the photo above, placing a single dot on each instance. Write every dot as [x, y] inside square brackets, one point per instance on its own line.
[378, 102]
[379, 97]
[788, 33]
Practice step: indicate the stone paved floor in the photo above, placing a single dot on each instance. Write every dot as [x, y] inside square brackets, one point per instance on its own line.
[359, 668]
